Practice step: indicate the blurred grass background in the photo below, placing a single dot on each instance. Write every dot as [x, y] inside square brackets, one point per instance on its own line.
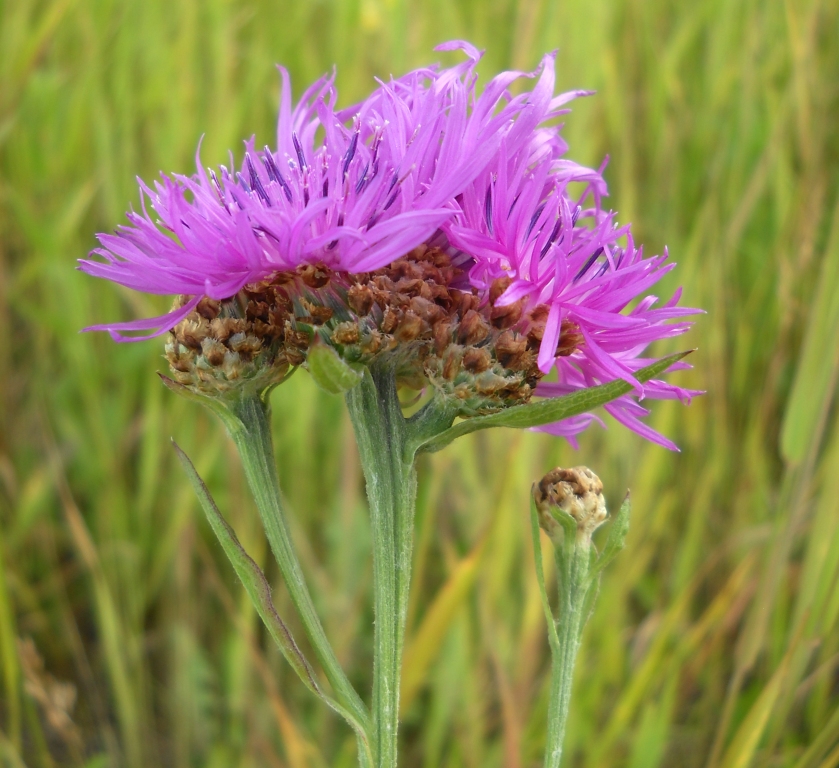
[715, 642]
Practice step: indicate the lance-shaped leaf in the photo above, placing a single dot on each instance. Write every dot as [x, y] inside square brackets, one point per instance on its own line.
[549, 409]
[550, 619]
[616, 539]
[259, 591]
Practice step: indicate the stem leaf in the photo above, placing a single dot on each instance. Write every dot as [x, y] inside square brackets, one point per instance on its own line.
[251, 575]
[616, 539]
[259, 591]
[553, 638]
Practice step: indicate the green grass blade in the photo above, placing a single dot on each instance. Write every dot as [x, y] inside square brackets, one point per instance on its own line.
[818, 368]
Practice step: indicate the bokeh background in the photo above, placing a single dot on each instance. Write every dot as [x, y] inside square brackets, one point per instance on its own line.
[125, 640]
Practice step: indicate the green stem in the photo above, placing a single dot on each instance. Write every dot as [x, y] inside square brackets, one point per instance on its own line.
[257, 453]
[574, 586]
[387, 462]
[578, 579]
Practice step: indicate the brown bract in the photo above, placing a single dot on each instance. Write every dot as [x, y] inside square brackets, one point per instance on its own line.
[577, 492]
[413, 314]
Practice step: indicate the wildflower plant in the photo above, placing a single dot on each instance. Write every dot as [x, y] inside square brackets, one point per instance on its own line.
[431, 238]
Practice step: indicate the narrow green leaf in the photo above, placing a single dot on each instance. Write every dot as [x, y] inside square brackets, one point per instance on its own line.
[98, 761]
[259, 591]
[550, 409]
[553, 638]
[652, 733]
[9, 753]
[8, 656]
[329, 371]
[251, 575]
[616, 540]
[744, 745]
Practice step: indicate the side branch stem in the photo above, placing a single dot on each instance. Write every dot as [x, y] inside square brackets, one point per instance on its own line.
[388, 467]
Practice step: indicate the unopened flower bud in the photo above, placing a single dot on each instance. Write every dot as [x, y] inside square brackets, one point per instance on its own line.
[576, 492]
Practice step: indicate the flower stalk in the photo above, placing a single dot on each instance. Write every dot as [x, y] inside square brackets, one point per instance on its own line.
[388, 465]
[569, 507]
[569, 628]
[247, 420]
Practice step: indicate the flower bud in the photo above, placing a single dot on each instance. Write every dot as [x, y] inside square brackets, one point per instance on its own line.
[576, 493]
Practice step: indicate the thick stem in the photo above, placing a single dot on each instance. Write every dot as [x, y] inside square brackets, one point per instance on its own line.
[256, 450]
[389, 471]
[574, 586]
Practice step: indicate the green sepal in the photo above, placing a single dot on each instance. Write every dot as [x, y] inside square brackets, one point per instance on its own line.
[569, 527]
[330, 372]
[259, 591]
[549, 409]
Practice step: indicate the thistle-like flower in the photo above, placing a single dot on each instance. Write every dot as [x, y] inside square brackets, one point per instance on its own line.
[380, 182]
[564, 273]
[428, 228]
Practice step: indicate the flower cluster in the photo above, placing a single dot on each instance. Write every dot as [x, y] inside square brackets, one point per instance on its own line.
[431, 227]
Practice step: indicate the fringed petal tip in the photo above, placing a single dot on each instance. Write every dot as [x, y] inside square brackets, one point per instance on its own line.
[475, 54]
[564, 98]
[161, 324]
[119, 338]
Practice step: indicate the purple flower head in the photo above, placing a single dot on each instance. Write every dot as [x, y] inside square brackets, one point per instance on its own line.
[430, 228]
[352, 190]
[521, 224]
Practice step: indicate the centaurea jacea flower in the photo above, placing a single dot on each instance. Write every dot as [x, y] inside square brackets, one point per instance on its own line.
[380, 181]
[561, 263]
[428, 228]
